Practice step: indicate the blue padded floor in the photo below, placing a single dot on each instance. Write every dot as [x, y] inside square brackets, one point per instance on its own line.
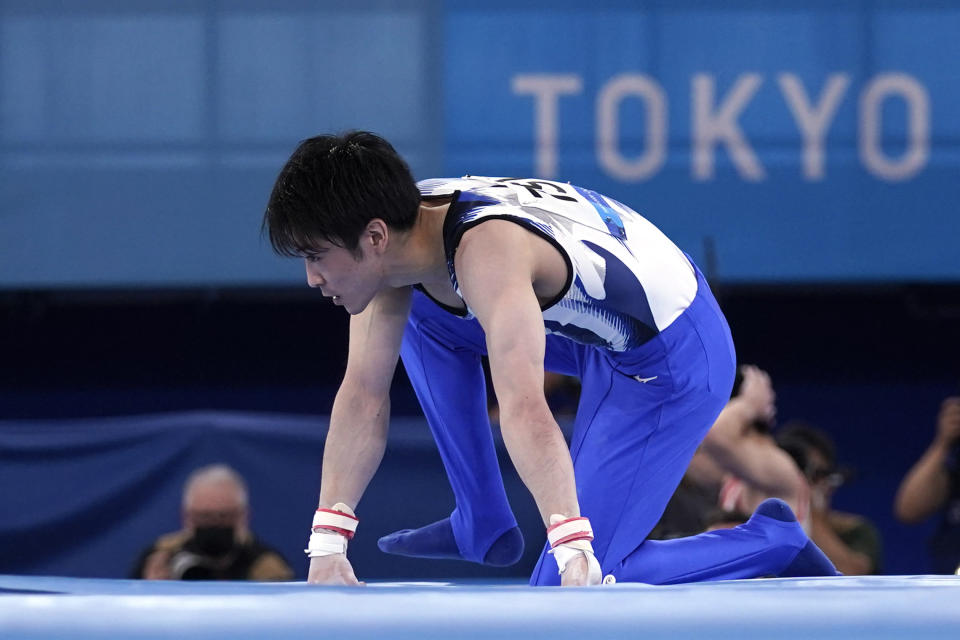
[823, 608]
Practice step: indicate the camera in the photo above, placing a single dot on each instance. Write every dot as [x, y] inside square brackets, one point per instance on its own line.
[185, 565]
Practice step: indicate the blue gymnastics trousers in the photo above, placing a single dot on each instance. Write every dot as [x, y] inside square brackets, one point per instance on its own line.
[631, 444]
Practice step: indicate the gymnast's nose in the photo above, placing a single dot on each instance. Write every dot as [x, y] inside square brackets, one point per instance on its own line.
[314, 279]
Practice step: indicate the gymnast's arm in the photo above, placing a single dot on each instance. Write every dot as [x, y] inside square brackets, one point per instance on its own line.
[359, 421]
[497, 263]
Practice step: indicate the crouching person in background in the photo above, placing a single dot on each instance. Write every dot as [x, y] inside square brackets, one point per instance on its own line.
[215, 542]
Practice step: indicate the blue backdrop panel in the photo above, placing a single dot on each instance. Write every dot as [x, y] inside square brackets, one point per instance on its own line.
[691, 113]
[84, 497]
[826, 609]
[139, 140]
[795, 141]
[115, 483]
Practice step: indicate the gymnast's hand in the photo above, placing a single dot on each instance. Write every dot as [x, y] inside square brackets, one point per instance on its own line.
[332, 570]
[576, 573]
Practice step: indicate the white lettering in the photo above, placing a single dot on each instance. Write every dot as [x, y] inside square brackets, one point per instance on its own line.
[709, 126]
[608, 127]
[715, 121]
[918, 126]
[813, 121]
[546, 89]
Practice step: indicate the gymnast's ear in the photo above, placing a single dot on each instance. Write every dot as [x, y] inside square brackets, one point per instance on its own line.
[376, 236]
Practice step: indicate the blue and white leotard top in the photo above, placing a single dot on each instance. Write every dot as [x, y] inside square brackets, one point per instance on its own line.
[626, 280]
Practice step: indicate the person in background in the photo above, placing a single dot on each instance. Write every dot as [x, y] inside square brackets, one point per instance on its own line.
[851, 541]
[215, 542]
[933, 485]
[737, 466]
[740, 443]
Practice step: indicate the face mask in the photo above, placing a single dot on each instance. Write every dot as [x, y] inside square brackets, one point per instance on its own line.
[213, 541]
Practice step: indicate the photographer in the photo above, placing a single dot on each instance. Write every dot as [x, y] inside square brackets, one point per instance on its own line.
[850, 540]
[215, 542]
[737, 466]
[933, 486]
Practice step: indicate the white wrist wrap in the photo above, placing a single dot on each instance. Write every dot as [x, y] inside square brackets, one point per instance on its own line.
[331, 530]
[340, 519]
[325, 544]
[569, 538]
[563, 529]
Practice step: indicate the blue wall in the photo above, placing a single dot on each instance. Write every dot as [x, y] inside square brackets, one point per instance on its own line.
[85, 497]
[139, 140]
[690, 111]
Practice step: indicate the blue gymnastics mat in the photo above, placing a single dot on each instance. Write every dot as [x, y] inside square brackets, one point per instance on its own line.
[824, 608]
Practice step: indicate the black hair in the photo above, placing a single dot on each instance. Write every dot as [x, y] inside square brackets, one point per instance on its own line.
[798, 438]
[802, 433]
[332, 186]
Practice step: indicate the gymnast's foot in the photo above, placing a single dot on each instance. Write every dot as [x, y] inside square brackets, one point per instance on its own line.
[810, 560]
[436, 541]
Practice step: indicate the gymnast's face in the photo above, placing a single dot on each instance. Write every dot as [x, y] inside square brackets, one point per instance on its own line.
[349, 279]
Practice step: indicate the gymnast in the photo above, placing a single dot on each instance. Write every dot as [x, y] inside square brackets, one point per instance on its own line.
[534, 274]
